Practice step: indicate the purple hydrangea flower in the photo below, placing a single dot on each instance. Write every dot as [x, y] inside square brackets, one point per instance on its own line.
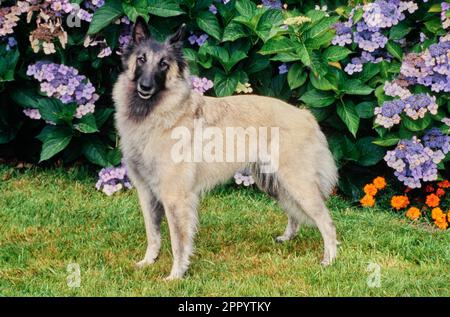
[430, 68]
[113, 179]
[436, 140]
[213, 9]
[389, 113]
[413, 162]
[64, 82]
[244, 178]
[201, 85]
[343, 34]
[11, 43]
[272, 4]
[32, 113]
[283, 69]
[199, 40]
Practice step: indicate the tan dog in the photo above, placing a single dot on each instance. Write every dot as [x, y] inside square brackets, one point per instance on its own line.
[153, 98]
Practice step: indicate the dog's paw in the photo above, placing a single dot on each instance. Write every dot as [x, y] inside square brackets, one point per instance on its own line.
[143, 263]
[172, 277]
[281, 239]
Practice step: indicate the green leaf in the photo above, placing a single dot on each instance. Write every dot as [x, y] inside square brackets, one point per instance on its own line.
[105, 15]
[417, 125]
[365, 109]
[136, 8]
[336, 53]
[395, 50]
[296, 76]
[321, 83]
[101, 115]
[268, 23]
[225, 85]
[371, 153]
[26, 98]
[95, 151]
[87, 124]
[322, 27]
[286, 57]
[54, 110]
[348, 114]
[54, 140]
[388, 140]
[305, 54]
[233, 31]
[399, 31]
[317, 99]
[245, 8]
[356, 87]
[8, 64]
[208, 22]
[257, 63]
[434, 26]
[164, 8]
[369, 71]
[277, 45]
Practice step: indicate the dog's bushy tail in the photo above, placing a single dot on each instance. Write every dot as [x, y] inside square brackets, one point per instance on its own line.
[326, 168]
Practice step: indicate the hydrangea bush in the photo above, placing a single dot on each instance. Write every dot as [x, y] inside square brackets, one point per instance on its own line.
[375, 74]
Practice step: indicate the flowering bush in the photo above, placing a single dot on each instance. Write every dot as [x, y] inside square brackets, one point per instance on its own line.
[430, 203]
[375, 74]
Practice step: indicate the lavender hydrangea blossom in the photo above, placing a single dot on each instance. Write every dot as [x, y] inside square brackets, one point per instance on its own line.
[199, 40]
[368, 32]
[283, 69]
[244, 178]
[414, 162]
[272, 4]
[430, 68]
[66, 84]
[201, 85]
[414, 106]
[113, 179]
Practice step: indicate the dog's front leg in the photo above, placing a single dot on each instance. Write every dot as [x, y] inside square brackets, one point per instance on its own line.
[153, 213]
[181, 214]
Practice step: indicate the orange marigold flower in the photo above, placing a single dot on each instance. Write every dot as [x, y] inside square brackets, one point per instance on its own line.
[399, 202]
[379, 182]
[436, 213]
[413, 213]
[429, 189]
[441, 222]
[444, 184]
[432, 200]
[367, 201]
[370, 189]
[440, 192]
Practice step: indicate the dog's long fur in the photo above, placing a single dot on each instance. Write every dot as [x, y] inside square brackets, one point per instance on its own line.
[305, 178]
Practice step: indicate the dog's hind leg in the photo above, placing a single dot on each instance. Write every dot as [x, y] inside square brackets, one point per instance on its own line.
[290, 231]
[309, 198]
[181, 214]
[153, 213]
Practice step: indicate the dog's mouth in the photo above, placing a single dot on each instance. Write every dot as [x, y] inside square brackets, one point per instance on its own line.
[145, 94]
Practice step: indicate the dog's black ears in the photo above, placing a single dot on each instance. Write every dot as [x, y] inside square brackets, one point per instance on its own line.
[140, 30]
[178, 37]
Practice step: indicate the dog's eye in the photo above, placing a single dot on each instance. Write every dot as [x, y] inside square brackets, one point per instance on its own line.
[141, 59]
[163, 64]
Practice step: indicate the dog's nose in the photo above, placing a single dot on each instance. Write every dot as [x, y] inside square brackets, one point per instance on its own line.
[145, 87]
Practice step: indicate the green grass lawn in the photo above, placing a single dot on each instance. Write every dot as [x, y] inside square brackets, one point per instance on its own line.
[51, 218]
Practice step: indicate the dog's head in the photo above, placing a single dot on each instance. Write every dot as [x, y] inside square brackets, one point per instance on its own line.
[152, 65]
